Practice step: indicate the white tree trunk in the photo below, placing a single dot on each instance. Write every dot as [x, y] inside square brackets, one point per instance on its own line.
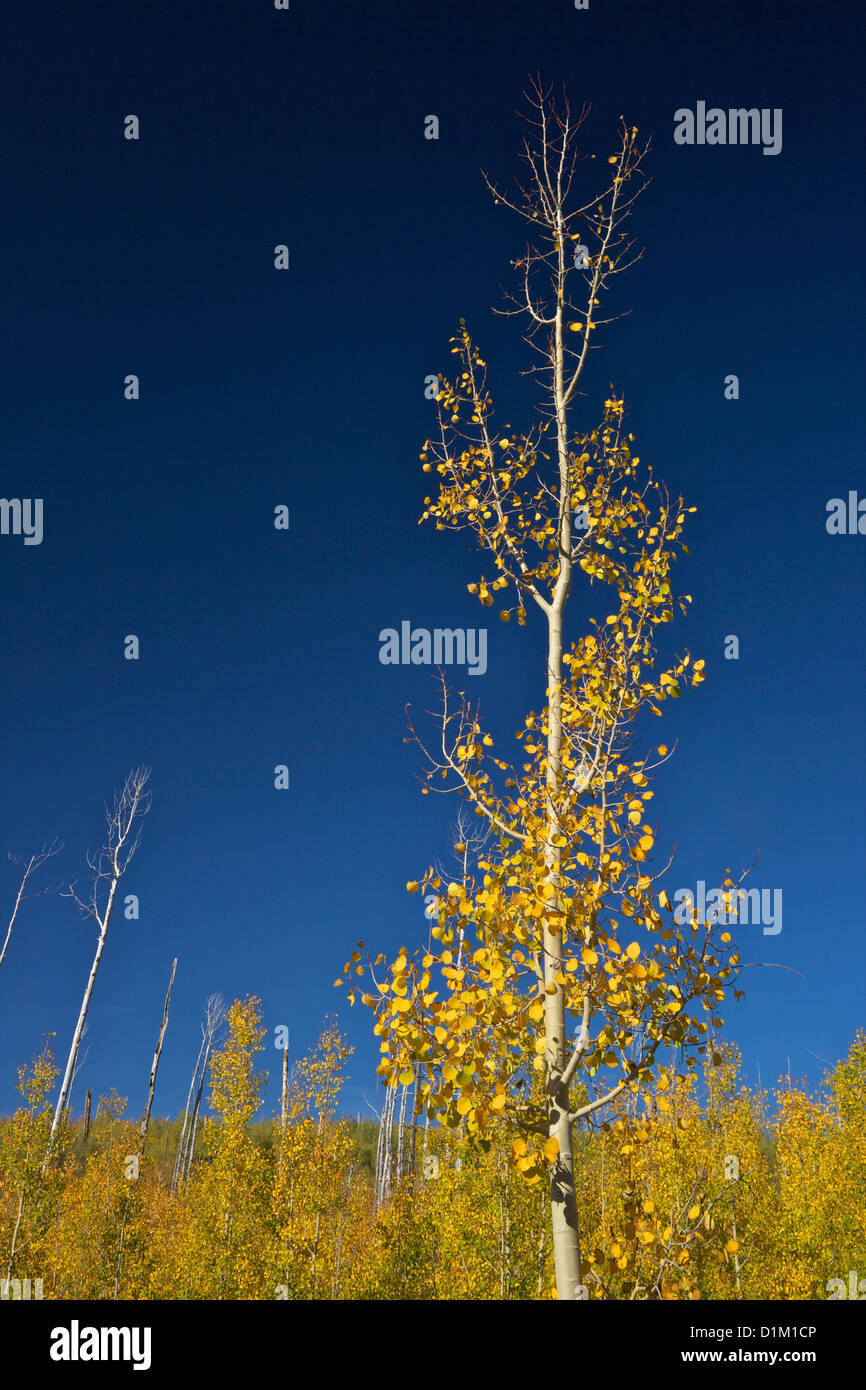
[82, 1015]
[156, 1056]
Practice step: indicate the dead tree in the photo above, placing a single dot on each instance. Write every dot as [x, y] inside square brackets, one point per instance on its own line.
[79, 1063]
[33, 863]
[156, 1056]
[213, 1020]
[108, 867]
[213, 1014]
[142, 1131]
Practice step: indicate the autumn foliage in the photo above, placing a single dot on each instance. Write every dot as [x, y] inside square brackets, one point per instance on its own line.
[289, 1211]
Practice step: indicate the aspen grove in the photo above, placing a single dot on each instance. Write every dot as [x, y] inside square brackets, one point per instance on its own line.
[558, 1113]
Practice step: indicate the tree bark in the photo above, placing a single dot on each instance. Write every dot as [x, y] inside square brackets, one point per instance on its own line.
[156, 1056]
[109, 867]
[82, 1015]
[563, 1202]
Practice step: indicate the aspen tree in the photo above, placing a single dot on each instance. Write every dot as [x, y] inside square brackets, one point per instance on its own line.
[156, 1056]
[108, 867]
[34, 863]
[214, 1015]
[536, 933]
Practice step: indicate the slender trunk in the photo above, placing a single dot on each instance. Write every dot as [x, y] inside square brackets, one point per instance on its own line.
[734, 1232]
[18, 898]
[380, 1145]
[413, 1129]
[181, 1143]
[316, 1248]
[389, 1143]
[504, 1235]
[542, 1242]
[736, 1252]
[335, 1288]
[320, 1144]
[195, 1114]
[563, 1203]
[156, 1056]
[82, 1016]
[143, 1127]
[14, 1246]
[401, 1130]
[386, 1144]
[285, 1105]
[87, 1114]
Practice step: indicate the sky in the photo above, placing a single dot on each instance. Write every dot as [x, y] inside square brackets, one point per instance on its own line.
[305, 388]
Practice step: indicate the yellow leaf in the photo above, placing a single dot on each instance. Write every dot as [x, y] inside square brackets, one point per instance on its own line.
[412, 887]
[632, 951]
[694, 1213]
[732, 1247]
[589, 957]
[550, 1148]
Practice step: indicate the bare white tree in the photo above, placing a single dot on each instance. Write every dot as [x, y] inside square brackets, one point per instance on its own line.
[79, 1063]
[109, 866]
[214, 1016]
[156, 1056]
[33, 863]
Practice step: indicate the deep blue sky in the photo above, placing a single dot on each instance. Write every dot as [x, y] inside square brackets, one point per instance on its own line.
[306, 388]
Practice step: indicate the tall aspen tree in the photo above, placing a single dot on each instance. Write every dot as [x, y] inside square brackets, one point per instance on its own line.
[109, 866]
[537, 934]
